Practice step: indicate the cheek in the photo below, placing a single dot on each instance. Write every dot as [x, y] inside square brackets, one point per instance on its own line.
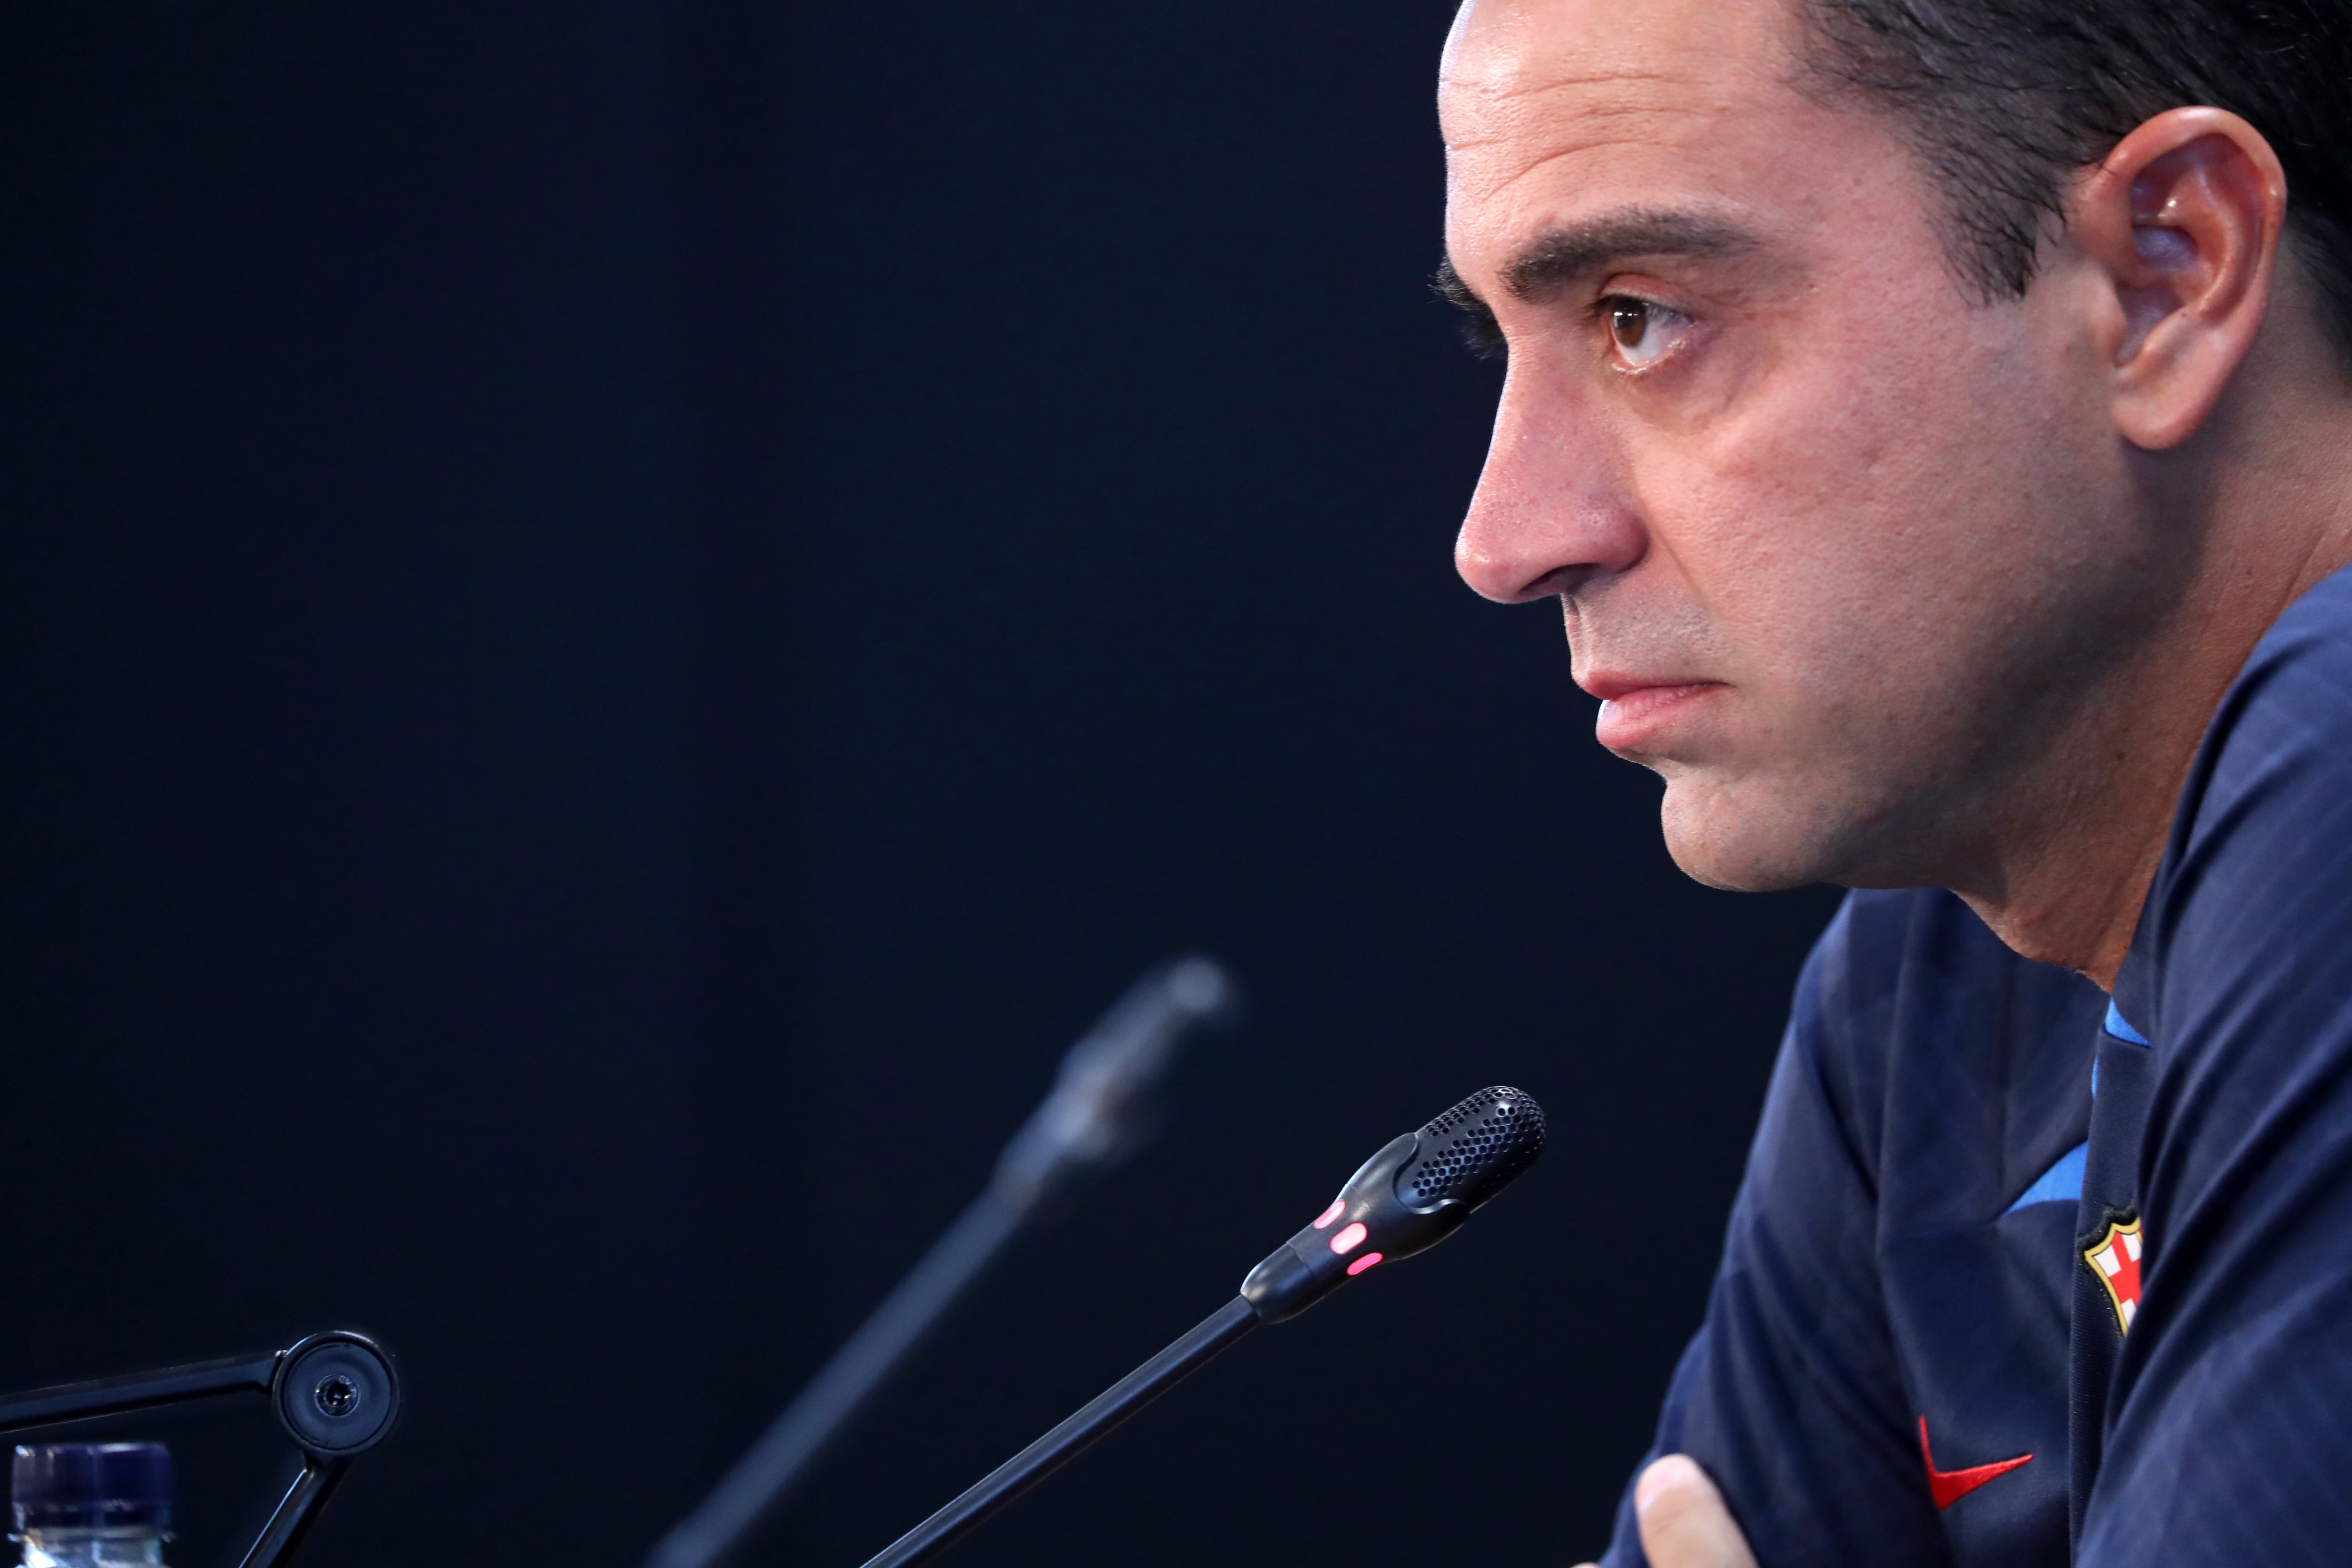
[1856, 519]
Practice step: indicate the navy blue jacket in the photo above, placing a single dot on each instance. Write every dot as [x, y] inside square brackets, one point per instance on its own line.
[2018, 1275]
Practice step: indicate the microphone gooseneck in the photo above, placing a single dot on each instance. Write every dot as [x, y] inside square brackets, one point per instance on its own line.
[1405, 1199]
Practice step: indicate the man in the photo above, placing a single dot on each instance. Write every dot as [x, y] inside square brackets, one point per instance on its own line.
[1936, 420]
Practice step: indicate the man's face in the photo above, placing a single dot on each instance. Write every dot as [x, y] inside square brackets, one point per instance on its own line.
[1839, 545]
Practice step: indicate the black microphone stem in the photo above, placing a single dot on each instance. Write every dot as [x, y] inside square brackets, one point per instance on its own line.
[1040, 1458]
[1405, 1199]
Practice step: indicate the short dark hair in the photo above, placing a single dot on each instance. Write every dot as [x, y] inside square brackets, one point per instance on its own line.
[2005, 100]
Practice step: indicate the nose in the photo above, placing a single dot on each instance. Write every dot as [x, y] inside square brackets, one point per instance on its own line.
[1550, 513]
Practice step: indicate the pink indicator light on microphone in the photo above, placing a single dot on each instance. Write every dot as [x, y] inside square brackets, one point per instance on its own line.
[1338, 1206]
[1350, 1238]
[1366, 1261]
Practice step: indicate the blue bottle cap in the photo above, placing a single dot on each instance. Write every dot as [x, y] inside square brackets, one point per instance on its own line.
[93, 1486]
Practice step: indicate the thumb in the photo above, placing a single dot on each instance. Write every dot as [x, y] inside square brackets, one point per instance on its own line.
[1684, 1521]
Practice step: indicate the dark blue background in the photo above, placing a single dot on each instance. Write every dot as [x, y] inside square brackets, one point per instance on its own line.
[619, 619]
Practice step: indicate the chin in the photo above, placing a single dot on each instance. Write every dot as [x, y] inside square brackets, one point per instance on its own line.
[1745, 840]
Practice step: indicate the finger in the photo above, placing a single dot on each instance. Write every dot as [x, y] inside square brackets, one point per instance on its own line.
[1685, 1523]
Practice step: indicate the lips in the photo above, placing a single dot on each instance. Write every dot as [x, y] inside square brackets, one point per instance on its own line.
[1635, 714]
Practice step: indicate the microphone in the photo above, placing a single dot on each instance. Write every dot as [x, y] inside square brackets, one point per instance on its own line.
[1405, 1199]
[1102, 1107]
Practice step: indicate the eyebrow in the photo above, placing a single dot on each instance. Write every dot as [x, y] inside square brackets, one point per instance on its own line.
[1561, 255]
[1480, 331]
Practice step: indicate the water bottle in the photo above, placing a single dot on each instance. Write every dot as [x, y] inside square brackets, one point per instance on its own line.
[93, 1505]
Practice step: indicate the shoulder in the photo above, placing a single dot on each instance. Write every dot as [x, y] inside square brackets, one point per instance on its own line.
[2237, 973]
[2285, 720]
[2279, 737]
[2257, 869]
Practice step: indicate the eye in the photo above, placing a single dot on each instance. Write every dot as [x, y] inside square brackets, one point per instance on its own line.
[1642, 330]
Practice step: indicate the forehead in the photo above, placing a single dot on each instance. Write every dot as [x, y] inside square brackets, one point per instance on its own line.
[1552, 108]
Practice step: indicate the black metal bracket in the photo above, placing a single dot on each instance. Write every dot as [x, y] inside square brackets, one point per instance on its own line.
[335, 1393]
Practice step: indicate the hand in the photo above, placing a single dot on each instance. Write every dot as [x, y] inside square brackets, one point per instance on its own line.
[1684, 1521]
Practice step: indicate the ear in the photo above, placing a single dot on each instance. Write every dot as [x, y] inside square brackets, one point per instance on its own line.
[2184, 217]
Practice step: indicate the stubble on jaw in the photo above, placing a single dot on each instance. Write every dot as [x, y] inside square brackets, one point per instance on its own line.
[1928, 748]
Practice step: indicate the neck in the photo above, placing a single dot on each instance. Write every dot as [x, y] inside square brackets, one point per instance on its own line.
[2064, 882]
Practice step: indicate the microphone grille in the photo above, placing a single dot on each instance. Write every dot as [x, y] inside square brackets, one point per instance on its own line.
[1474, 1149]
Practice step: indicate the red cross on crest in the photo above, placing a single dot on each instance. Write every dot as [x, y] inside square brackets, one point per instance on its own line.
[2114, 1263]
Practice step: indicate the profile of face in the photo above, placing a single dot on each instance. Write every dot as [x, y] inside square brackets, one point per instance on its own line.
[1839, 542]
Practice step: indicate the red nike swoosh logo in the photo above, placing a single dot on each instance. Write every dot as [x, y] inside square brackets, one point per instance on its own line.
[1949, 1487]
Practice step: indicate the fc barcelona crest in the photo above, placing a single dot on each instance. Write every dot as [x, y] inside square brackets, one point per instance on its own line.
[2115, 1264]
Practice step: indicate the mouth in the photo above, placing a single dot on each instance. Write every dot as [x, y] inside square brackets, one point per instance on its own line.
[1634, 714]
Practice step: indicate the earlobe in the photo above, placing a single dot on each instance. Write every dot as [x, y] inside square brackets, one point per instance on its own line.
[2184, 216]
